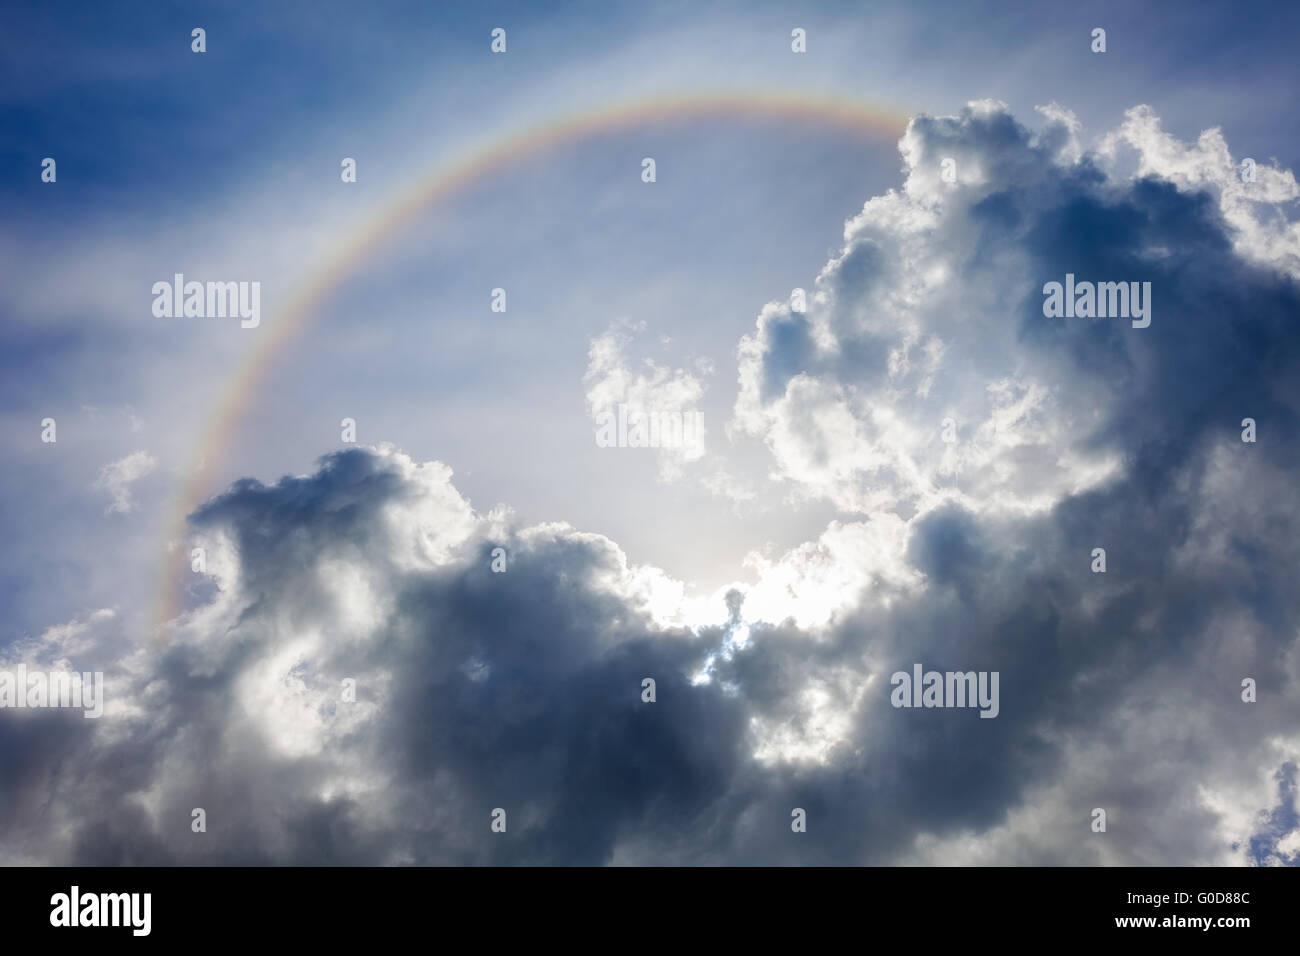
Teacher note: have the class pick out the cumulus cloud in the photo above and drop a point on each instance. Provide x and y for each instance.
(57, 645)
(963, 544)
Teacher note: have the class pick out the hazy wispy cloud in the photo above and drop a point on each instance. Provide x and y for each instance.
(652, 406)
(117, 477)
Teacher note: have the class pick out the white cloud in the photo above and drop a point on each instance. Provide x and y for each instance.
(116, 478)
(656, 393)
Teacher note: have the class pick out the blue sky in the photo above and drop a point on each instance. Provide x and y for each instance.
(856, 540)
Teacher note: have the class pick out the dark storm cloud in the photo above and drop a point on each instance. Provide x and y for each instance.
(522, 690)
